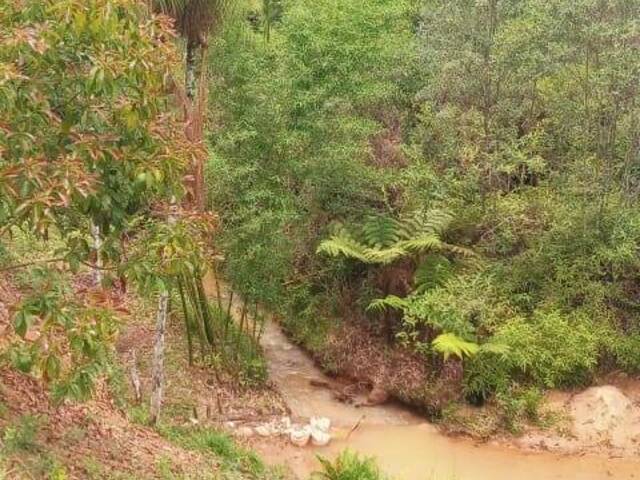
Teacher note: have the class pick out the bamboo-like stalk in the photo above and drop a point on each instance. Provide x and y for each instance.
(206, 310)
(228, 318)
(240, 327)
(255, 321)
(187, 323)
(262, 327)
(204, 342)
(157, 376)
(215, 278)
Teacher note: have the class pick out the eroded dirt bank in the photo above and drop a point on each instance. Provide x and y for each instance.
(405, 445)
(409, 448)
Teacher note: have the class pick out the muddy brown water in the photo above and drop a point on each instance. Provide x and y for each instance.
(404, 445)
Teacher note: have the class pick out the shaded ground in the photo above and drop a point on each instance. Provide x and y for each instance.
(195, 391)
(106, 437)
(91, 440)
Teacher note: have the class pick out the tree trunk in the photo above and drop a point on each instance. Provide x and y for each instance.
(190, 69)
(135, 377)
(157, 367)
(97, 245)
(157, 375)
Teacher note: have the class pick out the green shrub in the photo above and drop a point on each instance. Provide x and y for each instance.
(550, 349)
(21, 435)
(349, 466)
(518, 405)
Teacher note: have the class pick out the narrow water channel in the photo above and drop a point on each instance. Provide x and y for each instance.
(404, 444)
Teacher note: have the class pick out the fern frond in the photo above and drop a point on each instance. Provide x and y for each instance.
(390, 301)
(424, 243)
(384, 256)
(432, 272)
(383, 240)
(343, 243)
(380, 231)
(496, 348)
(450, 344)
(458, 250)
(437, 221)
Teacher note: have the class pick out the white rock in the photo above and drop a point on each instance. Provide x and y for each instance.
(320, 438)
(322, 424)
(300, 436)
(604, 414)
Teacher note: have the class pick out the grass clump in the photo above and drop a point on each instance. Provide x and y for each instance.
(21, 435)
(231, 457)
(349, 466)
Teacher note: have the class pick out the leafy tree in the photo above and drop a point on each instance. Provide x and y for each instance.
(88, 135)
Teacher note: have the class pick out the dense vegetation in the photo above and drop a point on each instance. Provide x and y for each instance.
(438, 198)
(516, 119)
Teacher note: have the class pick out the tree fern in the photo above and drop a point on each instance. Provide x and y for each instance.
(383, 240)
(434, 270)
(381, 231)
(450, 344)
(342, 243)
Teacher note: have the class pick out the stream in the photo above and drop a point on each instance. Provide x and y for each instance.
(404, 444)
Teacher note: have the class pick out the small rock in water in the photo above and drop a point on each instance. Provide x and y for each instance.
(322, 424)
(300, 436)
(320, 438)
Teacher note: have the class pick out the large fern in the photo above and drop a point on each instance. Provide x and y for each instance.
(383, 240)
(450, 344)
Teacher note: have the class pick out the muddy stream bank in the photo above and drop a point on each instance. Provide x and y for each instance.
(404, 444)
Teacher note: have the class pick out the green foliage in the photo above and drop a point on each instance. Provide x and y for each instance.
(21, 436)
(349, 466)
(88, 128)
(450, 344)
(550, 348)
(519, 405)
(69, 339)
(89, 136)
(232, 457)
(297, 115)
(383, 240)
(519, 118)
